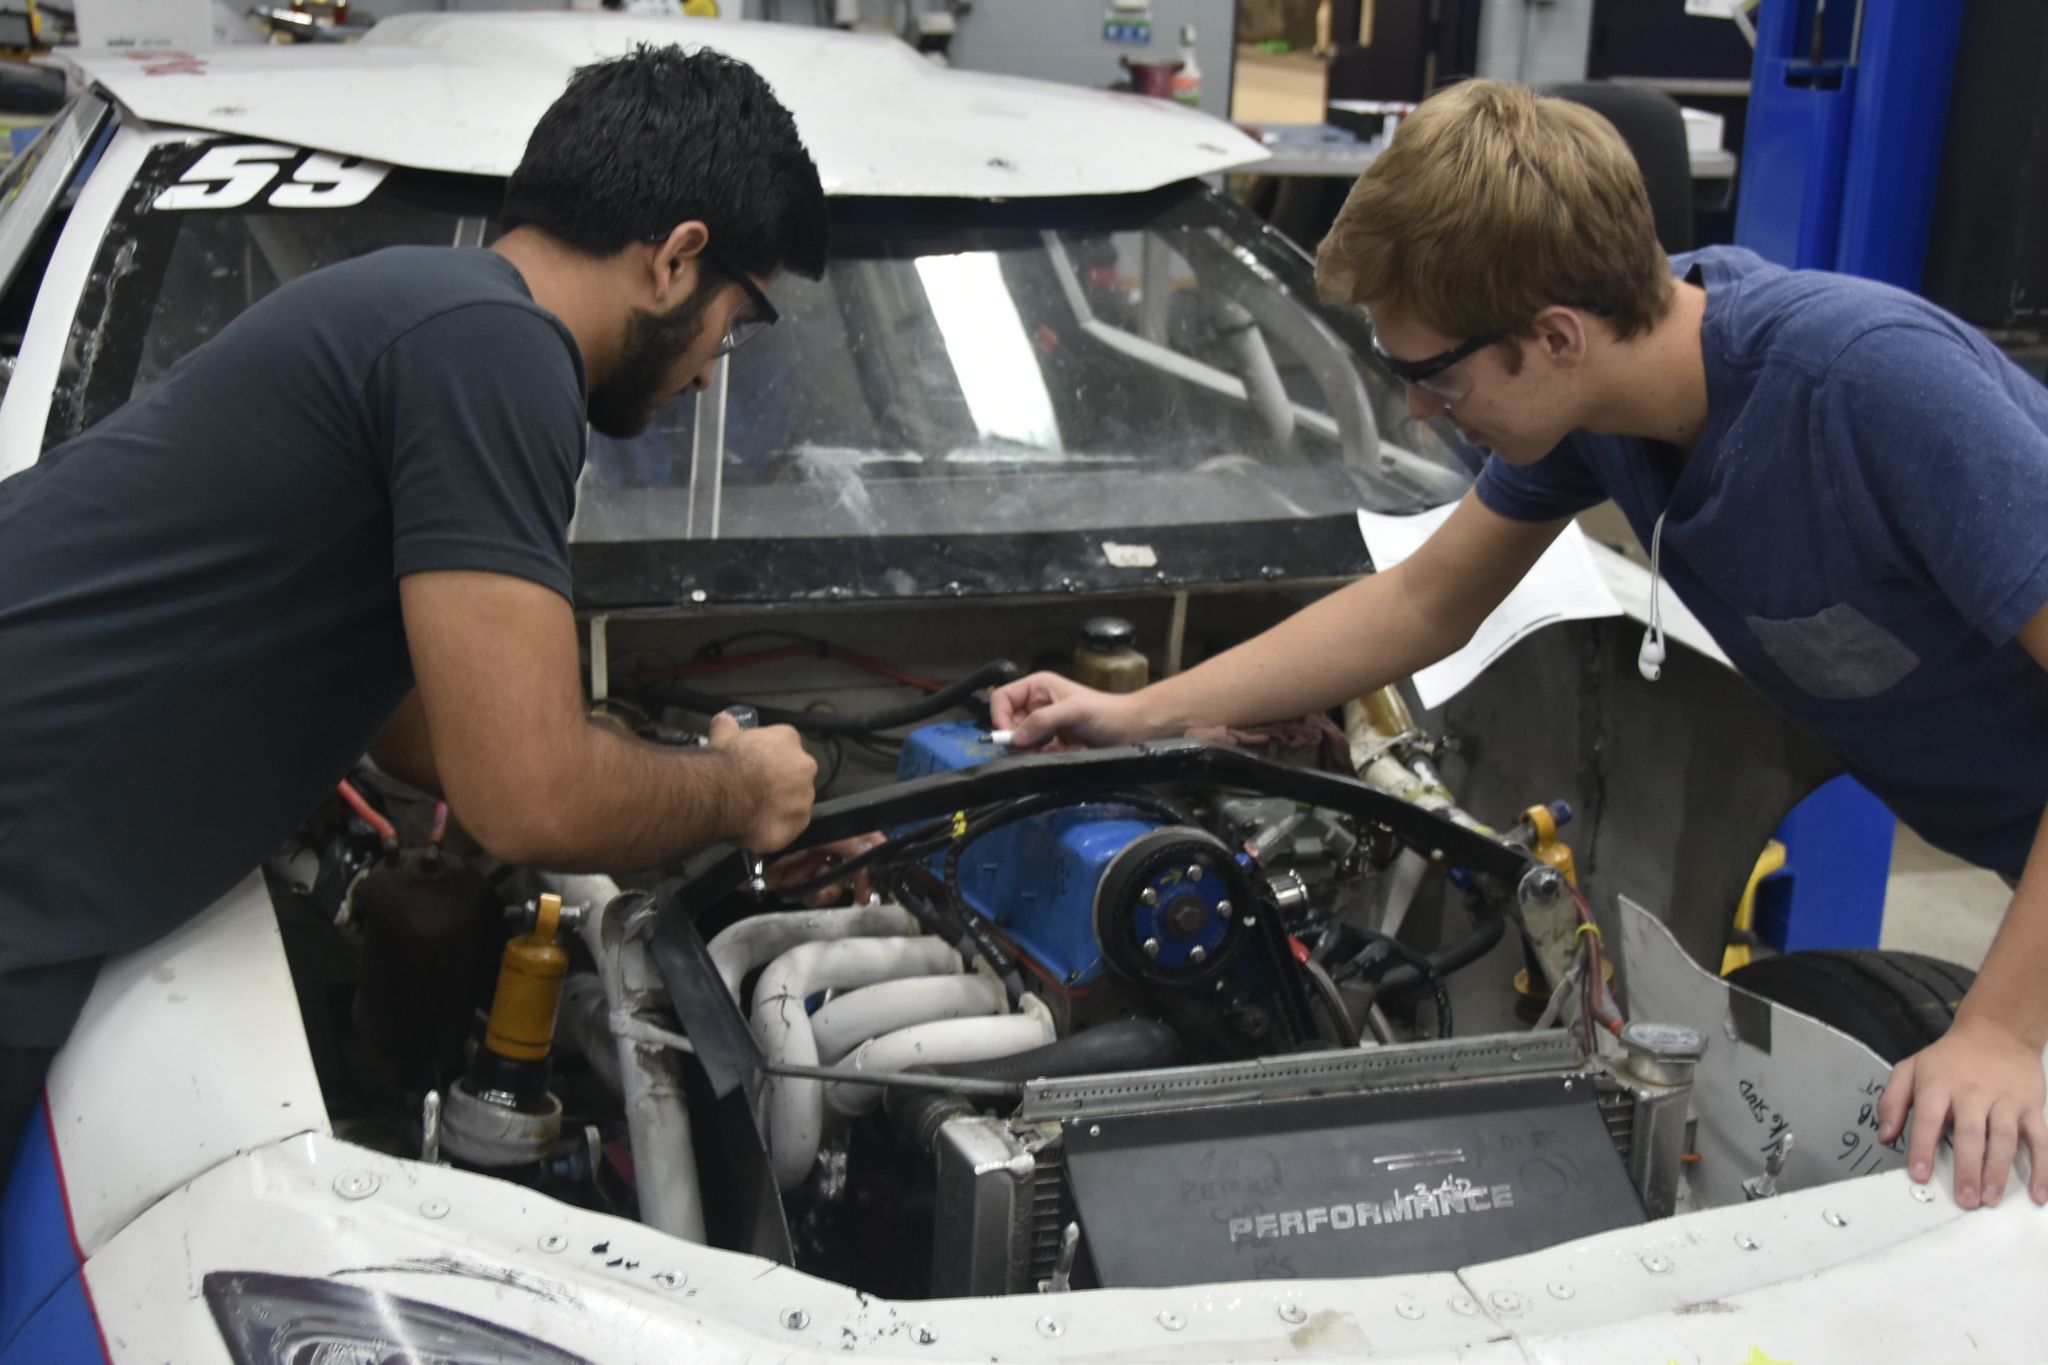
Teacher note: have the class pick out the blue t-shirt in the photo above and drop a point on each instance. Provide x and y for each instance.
(1863, 527)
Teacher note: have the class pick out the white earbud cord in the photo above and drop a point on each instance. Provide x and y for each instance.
(1650, 661)
(1657, 578)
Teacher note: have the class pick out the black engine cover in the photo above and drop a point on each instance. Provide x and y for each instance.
(1389, 1182)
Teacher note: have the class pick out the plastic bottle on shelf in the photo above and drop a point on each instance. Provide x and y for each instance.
(1187, 82)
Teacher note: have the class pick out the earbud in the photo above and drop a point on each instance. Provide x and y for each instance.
(1650, 659)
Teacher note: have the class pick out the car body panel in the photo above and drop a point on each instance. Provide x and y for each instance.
(462, 93)
(186, 1053)
(601, 1287)
(166, 1192)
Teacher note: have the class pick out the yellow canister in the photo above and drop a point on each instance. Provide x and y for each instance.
(1108, 659)
(529, 989)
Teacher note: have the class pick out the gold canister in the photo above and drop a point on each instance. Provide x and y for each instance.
(1107, 659)
(529, 990)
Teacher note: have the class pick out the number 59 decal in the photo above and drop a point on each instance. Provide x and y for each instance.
(231, 175)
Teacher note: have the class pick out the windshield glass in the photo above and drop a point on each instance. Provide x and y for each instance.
(173, 271)
(1040, 366)
(963, 368)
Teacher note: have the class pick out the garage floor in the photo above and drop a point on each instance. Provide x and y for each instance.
(1938, 905)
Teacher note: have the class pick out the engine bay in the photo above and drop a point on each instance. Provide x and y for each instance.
(1155, 1015)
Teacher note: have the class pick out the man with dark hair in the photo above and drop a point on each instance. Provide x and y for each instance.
(751, 185)
(342, 524)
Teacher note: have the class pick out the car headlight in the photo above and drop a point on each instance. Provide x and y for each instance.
(288, 1320)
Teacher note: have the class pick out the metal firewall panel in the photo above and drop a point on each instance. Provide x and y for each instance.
(1769, 1071)
(1395, 1182)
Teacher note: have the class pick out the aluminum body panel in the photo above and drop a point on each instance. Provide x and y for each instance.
(1766, 1069)
(188, 1051)
(462, 92)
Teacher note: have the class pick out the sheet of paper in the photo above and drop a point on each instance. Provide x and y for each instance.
(1564, 585)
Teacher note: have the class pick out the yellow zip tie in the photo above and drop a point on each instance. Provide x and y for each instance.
(1592, 929)
(959, 824)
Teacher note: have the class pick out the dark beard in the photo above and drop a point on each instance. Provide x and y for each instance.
(625, 402)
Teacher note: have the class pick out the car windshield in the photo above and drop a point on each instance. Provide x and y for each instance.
(1038, 366)
(963, 368)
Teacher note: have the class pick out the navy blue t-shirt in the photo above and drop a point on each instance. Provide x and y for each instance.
(199, 620)
(1863, 527)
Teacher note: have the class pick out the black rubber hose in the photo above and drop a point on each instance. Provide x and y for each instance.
(909, 847)
(975, 934)
(919, 1114)
(1333, 1001)
(1487, 928)
(995, 954)
(1444, 1027)
(1427, 971)
(924, 910)
(991, 674)
(1119, 1045)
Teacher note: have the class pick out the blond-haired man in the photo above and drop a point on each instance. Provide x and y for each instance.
(1849, 487)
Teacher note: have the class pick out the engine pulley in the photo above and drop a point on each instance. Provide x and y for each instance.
(1171, 907)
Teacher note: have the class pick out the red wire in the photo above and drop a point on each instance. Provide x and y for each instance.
(385, 829)
(886, 670)
(1594, 995)
(730, 662)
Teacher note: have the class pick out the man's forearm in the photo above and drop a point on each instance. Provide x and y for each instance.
(1359, 638)
(404, 750)
(621, 803)
(2008, 990)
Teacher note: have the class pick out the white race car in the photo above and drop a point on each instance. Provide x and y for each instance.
(1175, 1052)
